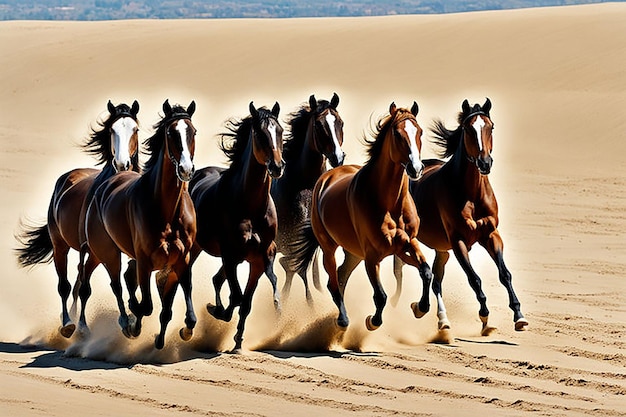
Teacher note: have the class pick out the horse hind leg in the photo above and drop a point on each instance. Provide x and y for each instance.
(84, 285)
(439, 266)
(190, 316)
(397, 273)
(64, 287)
(336, 291)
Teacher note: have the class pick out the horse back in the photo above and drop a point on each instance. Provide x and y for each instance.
(66, 204)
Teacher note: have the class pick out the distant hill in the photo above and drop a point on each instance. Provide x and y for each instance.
(175, 9)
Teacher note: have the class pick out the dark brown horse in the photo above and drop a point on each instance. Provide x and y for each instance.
(235, 212)
(369, 212)
(458, 208)
(149, 217)
(316, 136)
(115, 145)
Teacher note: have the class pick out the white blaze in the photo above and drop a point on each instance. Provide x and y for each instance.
(272, 129)
(330, 119)
(186, 162)
(414, 156)
(478, 125)
(122, 131)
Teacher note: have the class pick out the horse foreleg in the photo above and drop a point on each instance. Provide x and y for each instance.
(113, 267)
(167, 284)
(380, 298)
(461, 252)
(190, 316)
(439, 267)
(412, 255)
(130, 277)
(269, 272)
(289, 273)
(142, 277)
(64, 287)
(495, 247)
(270, 257)
(397, 273)
(256, 269)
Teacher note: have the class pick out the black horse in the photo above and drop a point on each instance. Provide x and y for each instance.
(316, 136)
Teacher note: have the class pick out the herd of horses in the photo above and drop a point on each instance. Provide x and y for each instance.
(276, 196)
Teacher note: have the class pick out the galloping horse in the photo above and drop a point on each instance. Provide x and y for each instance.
(458, 207)
(235, 212)
(316, 135)
(150, 217)
(115, 145)
(369, 212)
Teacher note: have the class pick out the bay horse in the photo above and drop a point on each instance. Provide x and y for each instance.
(369, 212)
(315, 136)
(150, 217)
(458, 208)
(236, 216)
(115, 145)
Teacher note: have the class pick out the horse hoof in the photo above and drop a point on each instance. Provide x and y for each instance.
(370, 324)
(521, 324)
(185, 333)
(68, 330)
(217, 311)
(444, 324)
(487, 330)
(342, 323)
(416, 311)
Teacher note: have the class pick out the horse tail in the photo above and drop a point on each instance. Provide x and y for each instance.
(303, 248)
(35, 245)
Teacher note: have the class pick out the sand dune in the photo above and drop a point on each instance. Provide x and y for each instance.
(557, 81)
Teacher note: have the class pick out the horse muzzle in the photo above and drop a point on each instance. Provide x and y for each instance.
(414, 170)
(484, 164)
(185, 174)
(336, 158)
(275, 169)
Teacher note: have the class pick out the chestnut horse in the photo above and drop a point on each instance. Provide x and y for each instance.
(115, 145)
(235, 212)
(316, 136)
(149, 217)
(369, 212)
(458, 208)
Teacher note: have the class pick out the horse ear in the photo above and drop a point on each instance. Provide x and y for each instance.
(167, 109)
(415, 108)
(392, 108)
(111, 108)
(192, 108)
(334, 102)
(312, 102)
(253, 111)
(134, 109)
(276, 109)
(465, 106)
(487, 106)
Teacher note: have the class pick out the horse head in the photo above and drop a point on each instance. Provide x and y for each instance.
(406, 144)
(123, 134)
(180, 139)
(327, 129)
(477, 134)
(267, 136)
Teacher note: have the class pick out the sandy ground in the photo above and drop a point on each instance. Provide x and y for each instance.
(557, 81)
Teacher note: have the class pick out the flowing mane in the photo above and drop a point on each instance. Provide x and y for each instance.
(234, 142)
(99, 142)
(298, 122)
(374, 146)
(448, 139)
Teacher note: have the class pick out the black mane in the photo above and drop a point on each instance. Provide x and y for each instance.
(99, 142)
(233, 143)
(449, 140)
(299, 123)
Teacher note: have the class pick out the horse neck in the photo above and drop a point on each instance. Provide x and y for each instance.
(254, 180)
(310, 164)
(388, 179)
(466, 174)
(168, 189)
